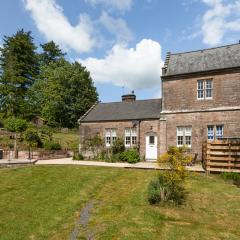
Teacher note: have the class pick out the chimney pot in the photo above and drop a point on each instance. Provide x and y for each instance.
(129, 97)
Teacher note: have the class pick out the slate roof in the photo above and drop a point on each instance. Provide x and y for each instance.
(136, 110)
(202, 60)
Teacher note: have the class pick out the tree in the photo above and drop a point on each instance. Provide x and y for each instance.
(31, 137)
(19, 68)
(63, 93)
(15, 125)
(51, 53)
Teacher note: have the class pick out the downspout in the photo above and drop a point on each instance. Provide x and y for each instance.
(139, 124)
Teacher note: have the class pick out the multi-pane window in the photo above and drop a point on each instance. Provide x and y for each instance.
(200, 89)
(210, 133)
(110, 136)
(151, 140)
(209, 88)
(215, 132)
(219, 132)
(130, 137)
(184, 136)
(205, 89)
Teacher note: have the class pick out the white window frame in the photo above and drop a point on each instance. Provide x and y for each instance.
(219, 136)
(110, 136)
(184, 132)
(205, 88)
(131, 138)
(200, 89)
(215, 134)
(211, 132)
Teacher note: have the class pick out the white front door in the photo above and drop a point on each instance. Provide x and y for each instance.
(151, 147)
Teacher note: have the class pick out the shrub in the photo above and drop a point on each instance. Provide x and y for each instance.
(94, 144)
(234, 177)
(154, 192)
(78, 156)
(118, 146)
(52, 146)
(102, 156)
(130, 156)
(169, 185)
(164, 189)
(45, 133)
(115, 157)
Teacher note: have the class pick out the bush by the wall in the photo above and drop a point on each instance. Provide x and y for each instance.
(130, 156)
(78, 156)
(118, 146)
(52, 146)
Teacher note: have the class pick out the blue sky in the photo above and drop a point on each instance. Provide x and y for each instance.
(123, 43)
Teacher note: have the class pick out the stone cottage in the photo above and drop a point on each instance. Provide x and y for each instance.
(135, 121)
(200, 101)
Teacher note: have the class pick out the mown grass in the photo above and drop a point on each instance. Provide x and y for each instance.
(44, 203)
(68, 140)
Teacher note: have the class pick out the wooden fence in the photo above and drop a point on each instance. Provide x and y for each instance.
(222, 155)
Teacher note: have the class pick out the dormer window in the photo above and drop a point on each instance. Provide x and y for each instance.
(204, 89)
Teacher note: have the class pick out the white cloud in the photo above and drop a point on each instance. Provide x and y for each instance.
(221, 19)
(134, 68)
(116, 26)
(50, 21)
(121, 5)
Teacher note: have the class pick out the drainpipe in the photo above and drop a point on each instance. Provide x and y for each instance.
(139, 123)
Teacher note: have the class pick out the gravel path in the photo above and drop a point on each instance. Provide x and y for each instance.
(82, 222)
(140, 165)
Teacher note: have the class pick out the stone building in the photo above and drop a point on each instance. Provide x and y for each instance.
(135, 121)
(200, 101)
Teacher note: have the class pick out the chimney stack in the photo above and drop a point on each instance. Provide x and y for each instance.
(129, 97)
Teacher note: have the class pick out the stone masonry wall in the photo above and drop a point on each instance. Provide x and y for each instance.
(90, 129)
(181, 94)
(199, 122)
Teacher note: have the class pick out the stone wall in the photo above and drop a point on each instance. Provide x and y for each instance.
(145, 126)
(181, 93)
(199, 122)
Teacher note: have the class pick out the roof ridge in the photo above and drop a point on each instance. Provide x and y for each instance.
(133, 101)
(205, 49)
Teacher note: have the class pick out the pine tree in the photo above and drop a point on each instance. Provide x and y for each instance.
(51, 53)
(19, 68)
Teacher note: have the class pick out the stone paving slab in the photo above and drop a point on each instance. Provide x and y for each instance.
(16, 162)
(140, 165)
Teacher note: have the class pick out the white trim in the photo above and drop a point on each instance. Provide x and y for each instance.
(208, 98)
(182, 132)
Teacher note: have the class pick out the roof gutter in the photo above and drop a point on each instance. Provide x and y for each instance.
(206, 72)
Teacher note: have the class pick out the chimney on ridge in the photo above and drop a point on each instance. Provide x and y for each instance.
(129, 97)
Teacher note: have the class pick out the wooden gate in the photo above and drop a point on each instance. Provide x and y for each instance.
(222, 155)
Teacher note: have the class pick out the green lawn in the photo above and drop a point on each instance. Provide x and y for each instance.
(44, 203)
(68, 140)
